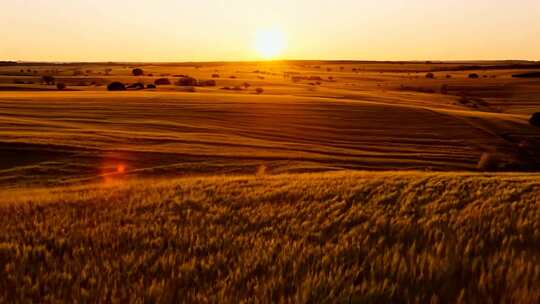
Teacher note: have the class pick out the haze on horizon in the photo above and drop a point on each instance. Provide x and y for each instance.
(211, 30)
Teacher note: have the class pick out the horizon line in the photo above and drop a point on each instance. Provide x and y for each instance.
(427, 61)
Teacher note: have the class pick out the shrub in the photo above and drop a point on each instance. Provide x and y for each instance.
(162, 81)
(108, 71)
(297, 78)
(18, 81)
(527, 75)
(535, 119)
(116, 86)
(226, 88)
(215, 75)
(448, 76)
(232, 77)
(186, 81)
(430, 75)
(151, 86)
(60, 86)
(444, 89)
(137, 72)
(48, 79)
(473, 76)
(246, 85)
(487, 162)
(463, 99)
(259, 90)
(207, 83)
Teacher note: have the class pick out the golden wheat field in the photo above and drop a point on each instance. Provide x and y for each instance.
(359, 237)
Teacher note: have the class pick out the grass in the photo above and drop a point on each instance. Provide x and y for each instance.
(305, 238)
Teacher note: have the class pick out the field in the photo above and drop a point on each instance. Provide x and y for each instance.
(361, 182)
(354, 116)
(305, 238)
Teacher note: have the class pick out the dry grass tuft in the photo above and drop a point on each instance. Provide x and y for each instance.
(488, 162)
(261, 171)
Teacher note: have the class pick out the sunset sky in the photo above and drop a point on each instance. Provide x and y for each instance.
(209, 30)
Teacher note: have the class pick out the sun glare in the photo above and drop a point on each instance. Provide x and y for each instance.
(270, 43)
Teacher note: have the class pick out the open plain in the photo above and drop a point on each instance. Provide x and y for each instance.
(255, 182)
(311, 116)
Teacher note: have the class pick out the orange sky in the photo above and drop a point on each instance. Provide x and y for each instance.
(208, 30)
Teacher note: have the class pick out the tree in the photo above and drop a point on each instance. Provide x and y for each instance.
(535, 119)
(137, 72)
(48, 79)
(116, 86)
(162, 81)
(430, 75)
(259, 90)
(187, 81)
(60, 86)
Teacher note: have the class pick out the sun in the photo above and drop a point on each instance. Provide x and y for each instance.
(270, 43)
